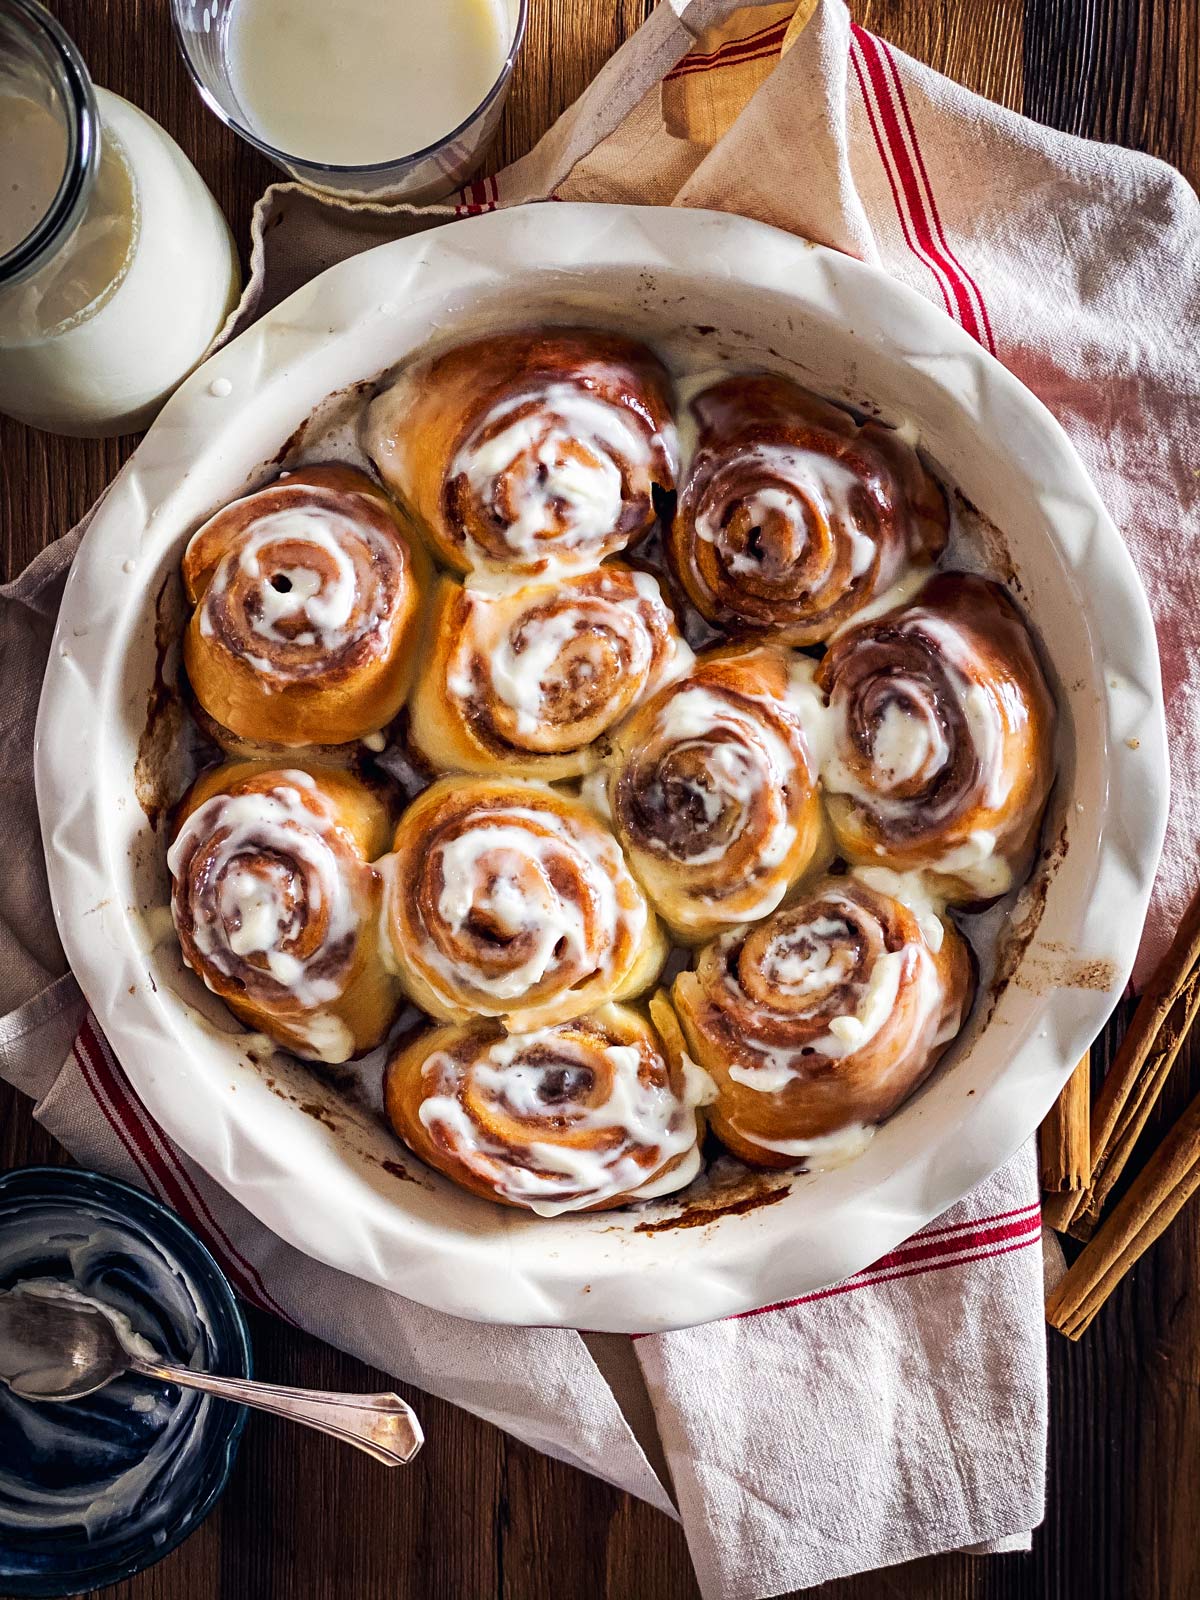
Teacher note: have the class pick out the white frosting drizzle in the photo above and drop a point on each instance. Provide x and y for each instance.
(909, 741)
(823, 968)
(753, 759)
(917, 891)
(500, 870)
(569, 449)
(252, 913)
(323, 593)
(522, 651)
(824, 1151)
(554, 1177)
(810, 485)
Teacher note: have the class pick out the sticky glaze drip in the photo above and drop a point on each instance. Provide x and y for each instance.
(304, 584)
(264, 898)
(559, 1120)
(549, 668)
(550, 467)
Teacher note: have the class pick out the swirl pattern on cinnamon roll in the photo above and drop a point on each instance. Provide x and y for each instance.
(306, 597)
(712, 790)
(942, 738)
(507, 899)
(577, 1117)
(818, 1022)
(792, 516)
(525, 680)
(529, 452)
(277, 906)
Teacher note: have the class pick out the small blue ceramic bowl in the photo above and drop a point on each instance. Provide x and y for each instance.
(97, 1489)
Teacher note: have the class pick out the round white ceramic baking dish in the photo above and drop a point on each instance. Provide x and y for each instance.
(325, 1175)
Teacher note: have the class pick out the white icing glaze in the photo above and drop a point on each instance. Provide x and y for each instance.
(823, 1152)
(253, 917)
(851, 1032)
(130, 1340)
(809, 486)
(149, 1292)
(501, 871)
(917, 891)
(593, 791)
(555, 1177)
(753, 758)
(826, 965)
(906, 587)
(909, 744)
(520, 679)
(569, 448)
(324, 593)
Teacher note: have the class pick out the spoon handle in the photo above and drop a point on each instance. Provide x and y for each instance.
(380, 1424)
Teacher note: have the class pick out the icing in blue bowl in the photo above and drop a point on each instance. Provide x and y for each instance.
(94, 1490)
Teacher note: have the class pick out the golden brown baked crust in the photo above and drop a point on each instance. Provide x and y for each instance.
(823, 1018)
(712, 790)
(508, 899)
(526, 680)
(306, 598)
(528, 451)
(575, 1117)
(793, 516)
(277, 906)
(943, 738)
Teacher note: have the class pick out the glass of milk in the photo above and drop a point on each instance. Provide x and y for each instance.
(117, 270)
(385, 99)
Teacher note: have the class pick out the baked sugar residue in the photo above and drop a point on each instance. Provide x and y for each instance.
(397, 1171)
(699, 1216)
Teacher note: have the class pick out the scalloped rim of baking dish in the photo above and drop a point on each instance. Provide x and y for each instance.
(852, 331)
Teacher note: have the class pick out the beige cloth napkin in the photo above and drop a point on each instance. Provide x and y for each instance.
(902, 1412)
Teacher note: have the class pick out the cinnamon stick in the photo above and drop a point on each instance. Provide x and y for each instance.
(1135, 1080)
(1156, 1196)
(1065, 1146)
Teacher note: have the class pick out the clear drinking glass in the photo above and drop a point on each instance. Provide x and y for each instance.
(202, 29)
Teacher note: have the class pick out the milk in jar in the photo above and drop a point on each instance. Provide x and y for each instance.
(106, 308)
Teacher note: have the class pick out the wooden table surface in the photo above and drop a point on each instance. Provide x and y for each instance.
(481, 1515)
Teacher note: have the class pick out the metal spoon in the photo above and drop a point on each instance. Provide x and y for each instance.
(61, 1349)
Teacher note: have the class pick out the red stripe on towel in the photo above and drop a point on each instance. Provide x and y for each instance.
(763, 43)
(160, 1163)
(924, 237)
(984, 1238)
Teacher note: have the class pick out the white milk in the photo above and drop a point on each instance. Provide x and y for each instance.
(95, 340)
(27, 191)
(362, 82)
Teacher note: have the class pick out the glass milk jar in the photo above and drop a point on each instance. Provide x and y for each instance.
(117, 269)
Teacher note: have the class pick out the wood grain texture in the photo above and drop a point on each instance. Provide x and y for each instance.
(481, 1516)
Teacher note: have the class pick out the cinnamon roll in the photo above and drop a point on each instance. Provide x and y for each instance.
(712, 790)
(526, 680)
(507, 899)
(277, 906)
(306, 597)
(792, 516)
(577, 1117)
(529, 452)
(942, 738)
(818, 1022)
